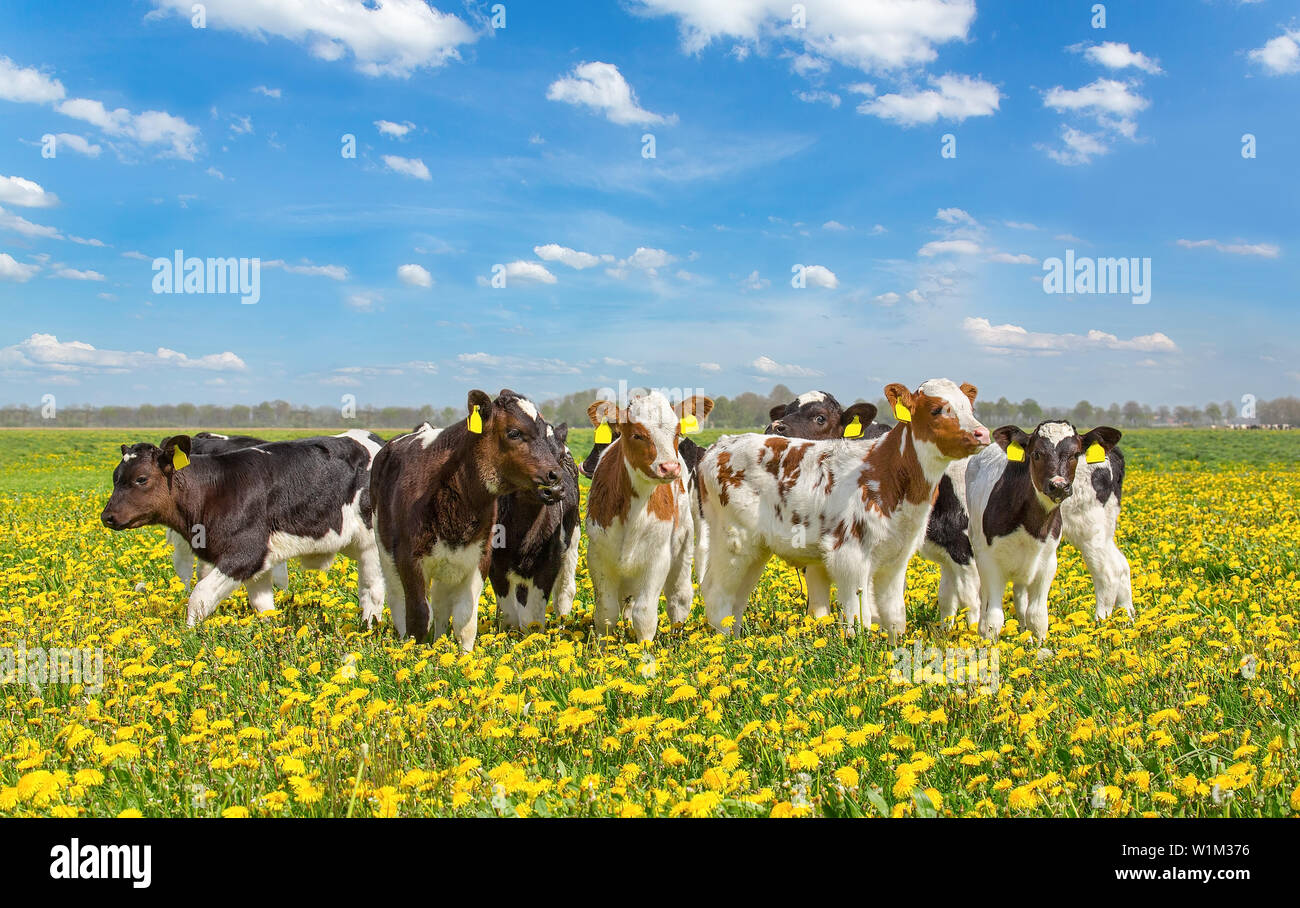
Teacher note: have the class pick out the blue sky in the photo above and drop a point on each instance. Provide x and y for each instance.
(521, 149)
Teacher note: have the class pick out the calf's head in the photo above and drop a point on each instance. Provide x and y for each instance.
(942, 414)
(1051, 454)
(142, 483)
(819, 416)
(518, 443)
(648, 430)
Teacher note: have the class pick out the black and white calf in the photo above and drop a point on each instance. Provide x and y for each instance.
(1015, 491)
(250, 509)
(535, 560)
(183, 560)
(1089, 518)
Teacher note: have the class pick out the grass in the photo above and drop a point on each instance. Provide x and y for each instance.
(1188, 711)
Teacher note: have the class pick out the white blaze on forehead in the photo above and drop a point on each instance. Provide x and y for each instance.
(127, 456)
(810, 397)
(527, 406)
(652, 411)
(1056, 431)
(957, 399)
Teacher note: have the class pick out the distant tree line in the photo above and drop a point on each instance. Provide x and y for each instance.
(744, 411)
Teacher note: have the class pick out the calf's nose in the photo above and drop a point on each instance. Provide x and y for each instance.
(670, 468)
(982, 435)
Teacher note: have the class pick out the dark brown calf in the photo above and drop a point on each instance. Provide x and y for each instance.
(435, 506)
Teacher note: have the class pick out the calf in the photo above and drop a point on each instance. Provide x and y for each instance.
(1015, 491)
(1089, 518)
(538, 560)
(639, 528)
(818, 415)
(854, 512)
(204, 443)
(435, 495)
(250, 509)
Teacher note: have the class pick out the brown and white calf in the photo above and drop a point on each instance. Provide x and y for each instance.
(818, 415)
(1015, 490)
(536, 558)
(639, 529)
(248, 510)
(855, 512)
(435, 494)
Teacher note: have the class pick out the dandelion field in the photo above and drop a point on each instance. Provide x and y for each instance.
(1191, 710)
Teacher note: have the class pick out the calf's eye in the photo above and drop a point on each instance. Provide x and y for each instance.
(514, 434)
(141, 480)
(936, 411)
(821, 420)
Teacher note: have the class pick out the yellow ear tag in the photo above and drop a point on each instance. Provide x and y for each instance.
(604, 434)
(1015, 452)
(901, 413)
(853, 429)
(1096, 453)
(476, 422)
(690, 425)
(179, 460)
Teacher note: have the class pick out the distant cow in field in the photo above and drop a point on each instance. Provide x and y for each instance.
(537, 561)
(639, 525)
(1016, 491)
(818, 415)
(435, 494)
(253, 508)
(855, 512)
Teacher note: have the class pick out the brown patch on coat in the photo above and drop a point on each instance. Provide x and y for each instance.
(727, 478)
(893, 466)
(611, 488)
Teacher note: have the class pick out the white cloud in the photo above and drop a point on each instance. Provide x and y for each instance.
(1281, 55)
(363, 301)
(138, 256)
(333, 272)
(11, 270)
(45, 351)
(152, 127)
(411, 167)
(1020, 225)
(834, 225)
(16, 224)
(602, 87)
(269, 92)
(769, 366)
(915, 296)
(1014, 337)
(888, 299)
(516, 365)
(25, 193)
(27, 85)
(529, 273)
(1264, 250)
(648, 259)
(754, 282)
(954, 216)
(1114, 55)
(883, 35)
(395, 130)
(949, 247)
(66, 141)
(553, 252)
(1100, 97)
(1079, 147)
(213, 172)
(73, 274)
(87, 242)
(393, 38)
(710, 367)
(414, 276)
(1008, 258)
(819, 97)
(820, 276)
(950, 98)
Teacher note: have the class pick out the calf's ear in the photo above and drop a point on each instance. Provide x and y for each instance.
(175, 454)
(864, 413)
(480, 411)
(695, 405)
(602, 411)
(561, 432)
(900, 401)
(1098, 443)
(123, 449)
(970, 391)
(776, 412)
(1013, 440)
